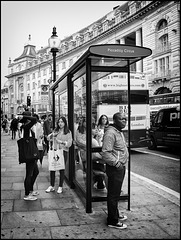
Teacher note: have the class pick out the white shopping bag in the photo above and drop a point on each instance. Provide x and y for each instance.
(56, 160)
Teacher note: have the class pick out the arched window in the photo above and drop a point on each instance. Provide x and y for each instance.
(162, 24)
(162, 90)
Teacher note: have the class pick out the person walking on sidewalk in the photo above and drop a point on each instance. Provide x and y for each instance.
(115, 154)
(62, 139)
(47, 128)
(31, 167)
(4, 124)
(14, 127)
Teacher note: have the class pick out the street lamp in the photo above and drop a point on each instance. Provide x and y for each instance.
(54, 43)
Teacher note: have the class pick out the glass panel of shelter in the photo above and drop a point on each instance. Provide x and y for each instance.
(61, 109)
(79, 86)
(115, 102)
(109, 95)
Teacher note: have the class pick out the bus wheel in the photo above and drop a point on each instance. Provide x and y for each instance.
(152, 144)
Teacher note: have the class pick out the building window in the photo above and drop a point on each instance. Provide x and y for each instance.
(19, 67)
(28, 86)
(63, 65)
(95, 32)
(105, 26)
(33, 85)
(162, 24)
(44, 81)
(39, 83)
(39, 73)
(44, 72)
(156, 66)
(167, 63)
(133, 67)
(11, 70)
(162, 65)
(70, 62)
(33, 76)
(164, 41)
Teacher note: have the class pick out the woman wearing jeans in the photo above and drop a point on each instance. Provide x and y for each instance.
(62, 139)
(31, 167)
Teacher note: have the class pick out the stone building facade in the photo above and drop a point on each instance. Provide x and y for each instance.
(152, 24)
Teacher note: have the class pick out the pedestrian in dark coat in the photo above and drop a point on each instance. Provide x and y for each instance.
(14, 127)
(47, 128)
(31, 167)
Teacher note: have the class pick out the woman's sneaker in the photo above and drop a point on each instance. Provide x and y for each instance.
(50, 189)
(118, 225)
(34, 193)
(60, 190)
(30, 198)
(122, 217)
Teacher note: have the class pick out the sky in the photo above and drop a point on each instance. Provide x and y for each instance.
(37, 18)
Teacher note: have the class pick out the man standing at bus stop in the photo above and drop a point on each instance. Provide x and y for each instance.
(115, 154)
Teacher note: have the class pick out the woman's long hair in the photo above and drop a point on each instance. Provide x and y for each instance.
(100, 120)
(81, 128)
(66, 129)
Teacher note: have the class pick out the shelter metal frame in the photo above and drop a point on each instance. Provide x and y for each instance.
(121, 56)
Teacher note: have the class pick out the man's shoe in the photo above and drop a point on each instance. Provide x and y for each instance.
(30, 198)
(122, 217)
(50, 189)
(60, 190)
(34, 193)
(118, 225)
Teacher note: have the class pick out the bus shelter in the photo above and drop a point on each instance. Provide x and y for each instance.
(81, 95)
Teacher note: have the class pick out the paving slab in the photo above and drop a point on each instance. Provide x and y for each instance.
(27, 233)
(30, 219)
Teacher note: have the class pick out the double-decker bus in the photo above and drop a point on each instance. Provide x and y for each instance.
(161, 101)
(112, 97)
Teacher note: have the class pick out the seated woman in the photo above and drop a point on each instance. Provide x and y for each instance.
(102, 123)
(98, 166)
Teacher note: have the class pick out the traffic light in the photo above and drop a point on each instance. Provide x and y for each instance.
(28, 100)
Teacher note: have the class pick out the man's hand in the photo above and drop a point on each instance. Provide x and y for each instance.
(119, 165)
(20, 117)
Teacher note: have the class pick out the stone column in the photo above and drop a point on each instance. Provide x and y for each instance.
(122, 40)
(139, 64)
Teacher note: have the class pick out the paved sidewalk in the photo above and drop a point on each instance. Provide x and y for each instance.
(154, 214)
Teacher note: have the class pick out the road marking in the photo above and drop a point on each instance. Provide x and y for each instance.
(168, 190)
(156, 154)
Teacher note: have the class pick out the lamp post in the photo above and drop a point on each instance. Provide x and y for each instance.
(54, 43)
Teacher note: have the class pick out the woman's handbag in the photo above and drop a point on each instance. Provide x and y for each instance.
(56, 159)
(27, 149)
